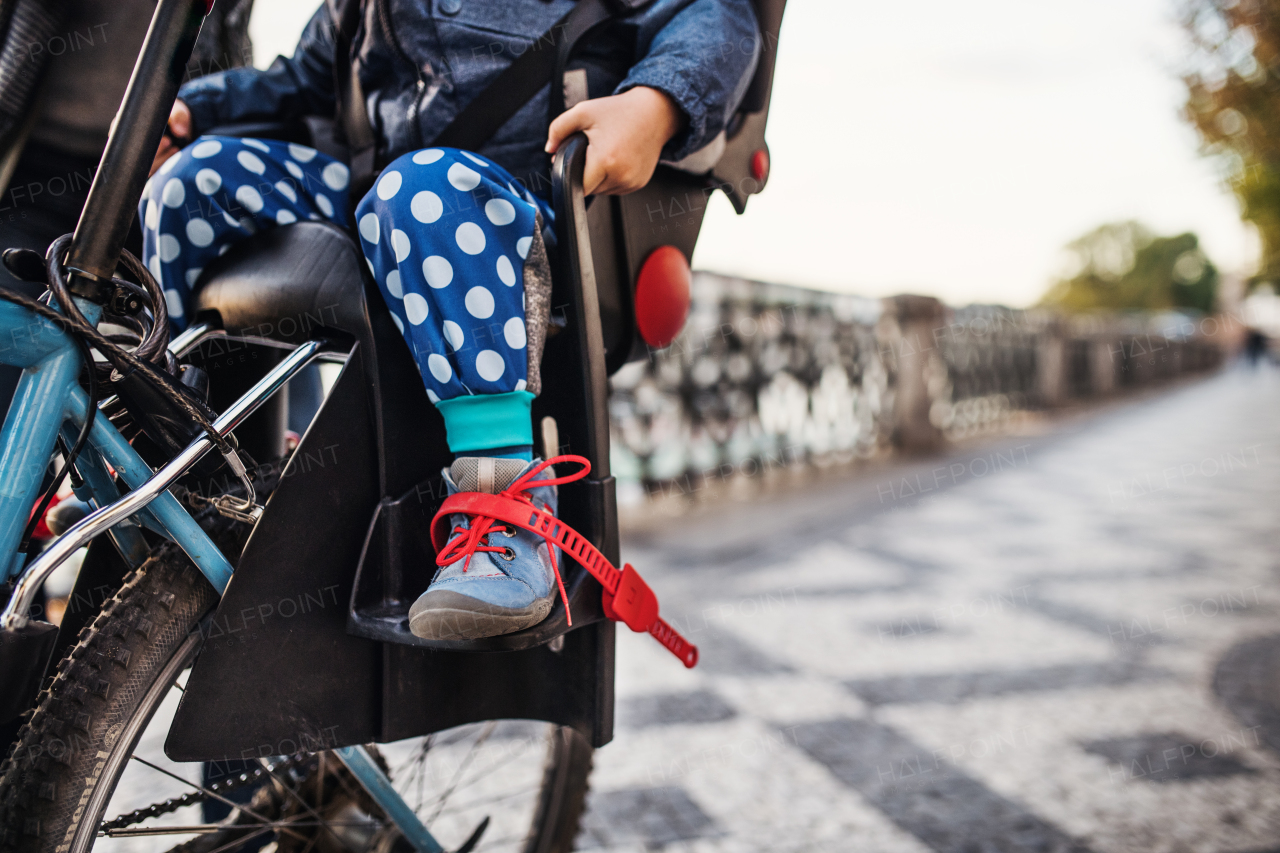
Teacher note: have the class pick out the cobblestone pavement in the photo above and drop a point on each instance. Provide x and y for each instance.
(1059, 642)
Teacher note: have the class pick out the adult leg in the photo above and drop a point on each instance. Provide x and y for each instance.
(42, 202)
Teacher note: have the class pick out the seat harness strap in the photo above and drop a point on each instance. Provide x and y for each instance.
(627, 598)
(544, 60)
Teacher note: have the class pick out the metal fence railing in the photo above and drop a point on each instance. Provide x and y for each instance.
(768, 376)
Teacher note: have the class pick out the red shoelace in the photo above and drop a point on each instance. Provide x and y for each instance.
(465, 542)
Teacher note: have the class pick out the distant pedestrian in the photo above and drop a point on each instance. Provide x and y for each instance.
(1255, 346)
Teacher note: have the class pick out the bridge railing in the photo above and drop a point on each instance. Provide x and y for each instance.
(768, 377)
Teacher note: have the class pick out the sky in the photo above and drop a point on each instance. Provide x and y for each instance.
(953, 149)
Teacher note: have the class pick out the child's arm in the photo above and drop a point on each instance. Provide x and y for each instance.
(697, 60)
(301, 85)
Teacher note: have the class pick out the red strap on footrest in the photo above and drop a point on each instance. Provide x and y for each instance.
(627, 598)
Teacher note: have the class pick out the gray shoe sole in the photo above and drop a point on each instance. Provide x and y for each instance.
(446, 615)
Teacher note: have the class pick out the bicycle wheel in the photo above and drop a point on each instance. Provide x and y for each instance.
(88, 770)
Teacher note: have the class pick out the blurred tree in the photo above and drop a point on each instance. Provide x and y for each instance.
(1233, 99)
(1123, 265)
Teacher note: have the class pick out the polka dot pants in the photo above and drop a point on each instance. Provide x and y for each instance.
(445, 232)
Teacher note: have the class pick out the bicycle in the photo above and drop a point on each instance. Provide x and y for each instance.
(193, 669)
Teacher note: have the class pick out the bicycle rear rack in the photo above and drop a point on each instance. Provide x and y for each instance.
(152, 489)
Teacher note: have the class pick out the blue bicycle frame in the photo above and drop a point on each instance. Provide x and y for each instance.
(48, 400)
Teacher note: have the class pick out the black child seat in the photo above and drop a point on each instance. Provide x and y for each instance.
(358, 494)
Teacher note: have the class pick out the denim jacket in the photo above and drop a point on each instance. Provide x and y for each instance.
(422, 61)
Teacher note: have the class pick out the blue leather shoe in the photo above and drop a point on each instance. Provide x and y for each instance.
(507, 583)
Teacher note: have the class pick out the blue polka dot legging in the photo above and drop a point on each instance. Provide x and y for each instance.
(453, 243)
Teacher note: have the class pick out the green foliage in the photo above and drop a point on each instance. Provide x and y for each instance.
(1233, 100)
(1122, 266)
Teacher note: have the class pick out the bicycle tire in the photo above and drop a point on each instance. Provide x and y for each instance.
(74, 748)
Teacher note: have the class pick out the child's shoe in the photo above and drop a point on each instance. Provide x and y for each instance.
(506, 582)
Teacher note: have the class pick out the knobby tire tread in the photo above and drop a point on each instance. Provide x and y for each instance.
(53, 767)
(563, 799)
(98, 686)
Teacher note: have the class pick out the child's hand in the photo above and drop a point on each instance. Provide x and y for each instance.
(179, 134)
(626, 133)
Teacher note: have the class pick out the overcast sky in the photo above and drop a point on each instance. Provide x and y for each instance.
(953, 148)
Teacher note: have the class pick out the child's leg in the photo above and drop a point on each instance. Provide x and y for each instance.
(456, 249)
(219, 190)
(457, 252)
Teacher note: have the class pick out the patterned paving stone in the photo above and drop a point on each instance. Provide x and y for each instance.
(1247, 679)
(1165, 757)
(723, 653)
(699, 706)
(922, 792)
(653, 816)
(952, 689)
(971, 669)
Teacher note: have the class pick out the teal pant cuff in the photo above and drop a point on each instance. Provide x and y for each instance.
(482, 421)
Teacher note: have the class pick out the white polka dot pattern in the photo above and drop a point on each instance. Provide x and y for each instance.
(439, 367)
(513, 332)
(437, 271)
(500, 211)
(400, 245)
(335, 176)
(415, 308)
(174, 193)
(454, 335)
(479, 302)
(389, 185)
(204, 150)
(250, 198)
(369, 228)
(506, 273)
(463, 178)
(426, 207)
(470, 237)
(393, 284)
(252, 162)
(208, 181)
(444, 233)
(200, 233)
(490, 365)
(169, 248)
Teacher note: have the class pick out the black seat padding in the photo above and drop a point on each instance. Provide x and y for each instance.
(285, 283)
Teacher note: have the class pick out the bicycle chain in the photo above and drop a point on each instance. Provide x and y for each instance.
(174, 803)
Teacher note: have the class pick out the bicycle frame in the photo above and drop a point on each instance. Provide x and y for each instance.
(49, 399)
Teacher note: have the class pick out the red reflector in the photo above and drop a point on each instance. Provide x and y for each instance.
(760, 165)
(662, 296)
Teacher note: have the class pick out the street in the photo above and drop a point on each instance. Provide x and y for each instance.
(1066, 647)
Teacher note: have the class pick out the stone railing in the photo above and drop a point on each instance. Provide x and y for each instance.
(768, 377)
